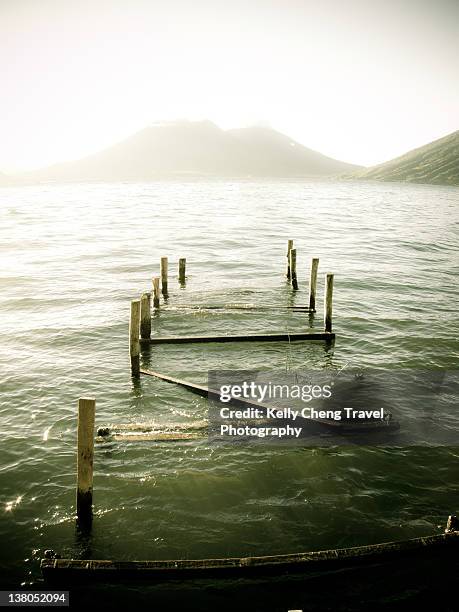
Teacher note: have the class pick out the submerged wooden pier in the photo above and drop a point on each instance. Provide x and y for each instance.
(140, 321)
(444, 546)
(388, 554)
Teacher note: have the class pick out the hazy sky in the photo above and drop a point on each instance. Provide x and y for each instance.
(359, 80)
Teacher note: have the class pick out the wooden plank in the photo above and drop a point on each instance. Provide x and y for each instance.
(271, 337)
(388, 553)
(238, 307)
(85, 458)
(135, 432)
(199, 389)
(152, 436)
(199, 425)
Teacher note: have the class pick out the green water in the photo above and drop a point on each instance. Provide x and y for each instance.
(73, 258)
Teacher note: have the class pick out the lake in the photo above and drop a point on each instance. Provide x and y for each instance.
(74, 257)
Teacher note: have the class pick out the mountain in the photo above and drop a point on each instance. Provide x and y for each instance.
(202, 149)
(436, 163)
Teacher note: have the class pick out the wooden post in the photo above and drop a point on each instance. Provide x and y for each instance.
(164, 266)
(134, 344)
(293, 268)
(289, 248)
(452, 525)
(328, 302)
(156, 292)
(181, 270)
(85, 458)
(145, 316)
(313, 284)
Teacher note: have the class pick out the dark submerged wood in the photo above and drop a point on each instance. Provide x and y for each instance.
(303, 562)
(270, 337)
(346, 427)
(239, 307)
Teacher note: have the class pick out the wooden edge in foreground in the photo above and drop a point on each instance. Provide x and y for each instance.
(273, 337)
(74, 569)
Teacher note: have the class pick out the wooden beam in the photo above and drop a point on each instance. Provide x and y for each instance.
(152, 436)
(272, 337)
(240, 307)
(199, 389)
(136, 432)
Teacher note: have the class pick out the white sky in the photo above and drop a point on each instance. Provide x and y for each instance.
(359, 80)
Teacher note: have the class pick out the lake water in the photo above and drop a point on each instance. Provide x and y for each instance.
(73, 257)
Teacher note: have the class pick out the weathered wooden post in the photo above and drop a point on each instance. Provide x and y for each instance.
(164, 266)
(181, 270)
(293, 268)
(328, 302)
(134, 345)
(289, 248)
(156, 292)
(85, 459)
(145, 316)
(452, 524)
(313, 284)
